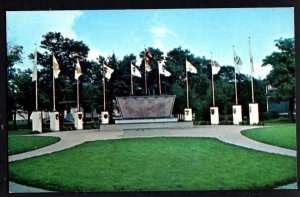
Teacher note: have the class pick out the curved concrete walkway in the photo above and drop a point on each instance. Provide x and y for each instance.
(228, 134)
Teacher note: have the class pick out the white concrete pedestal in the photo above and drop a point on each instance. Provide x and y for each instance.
(104, 117)
(214, 115)
(253, 113)
(54, 121)
(188, 116)
(37, 121)
(78, 120)
(237, 114)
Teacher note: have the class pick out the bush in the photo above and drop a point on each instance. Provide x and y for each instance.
(259, 124)
(226, 122)
(269, 115)
(226, 117)
(244, 122)
(201, 122)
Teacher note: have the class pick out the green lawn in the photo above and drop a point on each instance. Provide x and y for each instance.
(154, 164)
(21, 144)
(19, 132)
(283, 135)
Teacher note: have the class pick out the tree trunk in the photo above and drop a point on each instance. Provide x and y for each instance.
(291, 109)
(28, 118)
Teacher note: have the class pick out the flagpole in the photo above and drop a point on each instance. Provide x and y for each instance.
(36, 93)
(104, 88)
(251, 61)
(36, 87)
(187, 85)
(146, 91)
(159, 82)
(78, 94)
(131, 79)
(53, 84)
(212, 81)
(235, 84)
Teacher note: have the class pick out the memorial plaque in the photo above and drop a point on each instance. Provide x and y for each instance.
(134, 107)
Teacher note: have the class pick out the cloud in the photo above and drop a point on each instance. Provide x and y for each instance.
(158, 44)
(26, 28)
(94, 53)
(161, 31)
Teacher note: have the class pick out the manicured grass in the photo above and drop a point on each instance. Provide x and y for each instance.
(279, 121)
(280, 135)
(19, 132)
(154, 164)
(21, 144)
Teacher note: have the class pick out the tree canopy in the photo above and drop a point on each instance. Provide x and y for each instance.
(67, 51)
(282, 75)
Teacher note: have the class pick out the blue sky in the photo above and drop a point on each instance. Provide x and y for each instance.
(123, 32)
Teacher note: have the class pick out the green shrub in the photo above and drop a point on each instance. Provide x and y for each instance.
(269, 115)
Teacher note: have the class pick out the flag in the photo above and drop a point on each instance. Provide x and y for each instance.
(162, 70)
(147, 66)
(135, 71)
(34, 69)
(78, 71)
(190, 68)
(56, 70)
(107, 71)
(251, 58)
(147, 58)
(237, 61)
(215, 67)
(147, 54)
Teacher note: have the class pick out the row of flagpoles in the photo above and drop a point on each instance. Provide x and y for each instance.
(107, 72)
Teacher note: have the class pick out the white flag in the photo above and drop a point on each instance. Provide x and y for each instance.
(251, 58)
(135, 71)
(190, 68)
(34, 67)
(56, 70)
(162, 70)
(237, 61)
(78, 71)
(108, 71)
(215, 67)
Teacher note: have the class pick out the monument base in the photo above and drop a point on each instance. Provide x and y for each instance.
(54, 121)
(237, 114)
(188, 116)
(146, 126)
(78, 120)
(148, 120)
(37, 121)
(214, 115)
(253, 113)
(104, 117)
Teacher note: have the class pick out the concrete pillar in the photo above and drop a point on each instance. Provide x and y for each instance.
(237, 114)
(104, 117)
(214, 115)
(54, 121)
(253, 113)
(37, 121)
(188, 116)
(78, 120)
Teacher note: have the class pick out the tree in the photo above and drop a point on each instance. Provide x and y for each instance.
(14, 56)
(282, 75)
(25, 91)
(66, 51)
